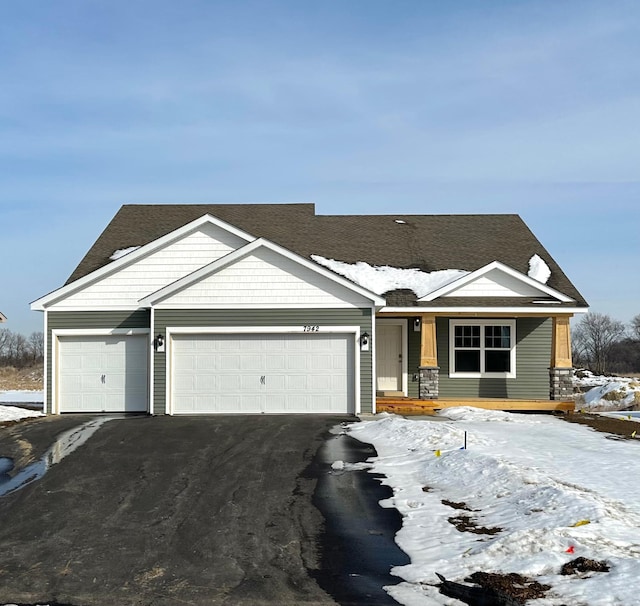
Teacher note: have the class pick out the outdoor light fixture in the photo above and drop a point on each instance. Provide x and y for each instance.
(158, 343)
(364, 341)
(416, 324)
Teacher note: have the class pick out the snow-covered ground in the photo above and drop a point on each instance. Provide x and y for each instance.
(556, 491)
(21, 396)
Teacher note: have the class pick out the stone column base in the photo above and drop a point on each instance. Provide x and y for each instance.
(561, 384)
(429, 377)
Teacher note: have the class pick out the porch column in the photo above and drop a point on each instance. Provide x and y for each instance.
(561, 367)
(429, 370)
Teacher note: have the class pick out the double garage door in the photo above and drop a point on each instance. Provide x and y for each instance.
(262, 373)
(103, 373)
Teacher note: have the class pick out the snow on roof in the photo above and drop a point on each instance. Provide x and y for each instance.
(121, 252)
(538, 269)
(381, 279)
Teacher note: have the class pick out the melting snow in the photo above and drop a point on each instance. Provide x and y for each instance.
(121, 252)
(555, 491)
(13, 413)
(381, 279)
(538, 269)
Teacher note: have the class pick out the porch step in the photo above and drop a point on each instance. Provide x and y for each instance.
(409, 406)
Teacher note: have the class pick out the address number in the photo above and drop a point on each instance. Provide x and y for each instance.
(311, 329)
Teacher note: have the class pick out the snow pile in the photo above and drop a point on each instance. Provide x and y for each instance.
(606, 393)
(121, 252)
(13, 413)
(538, 269)
(381, 279)
(550, 491)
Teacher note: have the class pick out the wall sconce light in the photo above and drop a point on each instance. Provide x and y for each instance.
(364, 341)
(158, 343)
(416, 324)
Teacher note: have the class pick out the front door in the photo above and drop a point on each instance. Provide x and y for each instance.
(389, 359)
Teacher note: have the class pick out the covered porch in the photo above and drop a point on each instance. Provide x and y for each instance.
(415, 357)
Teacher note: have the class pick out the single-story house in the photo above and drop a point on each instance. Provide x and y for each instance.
(3, 318)
(270, 308)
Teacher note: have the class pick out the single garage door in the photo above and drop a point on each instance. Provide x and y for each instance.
(262, 373)
(102, 373)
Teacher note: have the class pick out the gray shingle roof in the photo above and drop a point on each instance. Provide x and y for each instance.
(428, 242)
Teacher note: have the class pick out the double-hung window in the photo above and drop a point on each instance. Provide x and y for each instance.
(482, 348)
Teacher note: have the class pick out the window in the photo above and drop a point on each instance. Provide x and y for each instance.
(482, 348)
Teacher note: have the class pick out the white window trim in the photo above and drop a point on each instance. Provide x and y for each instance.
(484, 375)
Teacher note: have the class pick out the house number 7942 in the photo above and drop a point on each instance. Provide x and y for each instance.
(311, 329)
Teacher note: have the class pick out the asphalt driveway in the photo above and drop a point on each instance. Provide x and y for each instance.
(166, 511)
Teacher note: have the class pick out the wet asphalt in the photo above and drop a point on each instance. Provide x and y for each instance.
(183, 510)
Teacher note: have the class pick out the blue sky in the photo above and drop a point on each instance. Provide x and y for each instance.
(359, 106)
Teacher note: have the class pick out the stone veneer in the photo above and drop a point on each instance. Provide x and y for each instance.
(429, 382)
(561, 384)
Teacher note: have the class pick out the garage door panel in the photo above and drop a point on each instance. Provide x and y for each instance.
(102, 373)
(264, 373)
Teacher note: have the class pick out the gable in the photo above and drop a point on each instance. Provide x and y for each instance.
(262, 277)
(495, 283)
(139, 273)
(495, 280)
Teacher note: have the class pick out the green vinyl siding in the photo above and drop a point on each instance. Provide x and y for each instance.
(178, 318)
(413, 361)
(533, 352)
(100, 320)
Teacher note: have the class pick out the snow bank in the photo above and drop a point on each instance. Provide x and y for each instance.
(548, 487)
(600, 392)
(13, 413)
(381, 279)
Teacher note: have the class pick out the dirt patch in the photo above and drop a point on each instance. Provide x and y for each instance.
(617, 427)
(464, 523)
(582, 565)
(493, 589)
(519, 588)
(30, 378)
(455, 505)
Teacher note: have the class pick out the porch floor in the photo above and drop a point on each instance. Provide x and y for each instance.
(413, 406)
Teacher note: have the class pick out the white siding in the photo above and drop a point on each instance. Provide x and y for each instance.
(155, 271)
(263, 278)
(496, 284)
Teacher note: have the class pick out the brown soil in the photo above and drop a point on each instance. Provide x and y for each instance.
(620, 429)
(464, 523)
(580, 565)
(516, 586)
(455, 505)
(21, 379)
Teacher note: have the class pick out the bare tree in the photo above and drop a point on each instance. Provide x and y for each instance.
(36, 346)
(635, 327)
(594, 337)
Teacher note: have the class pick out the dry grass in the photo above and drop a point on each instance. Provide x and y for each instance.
(21, 379)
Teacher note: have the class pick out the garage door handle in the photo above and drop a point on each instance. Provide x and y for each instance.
(103, 379)
(262, 379)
